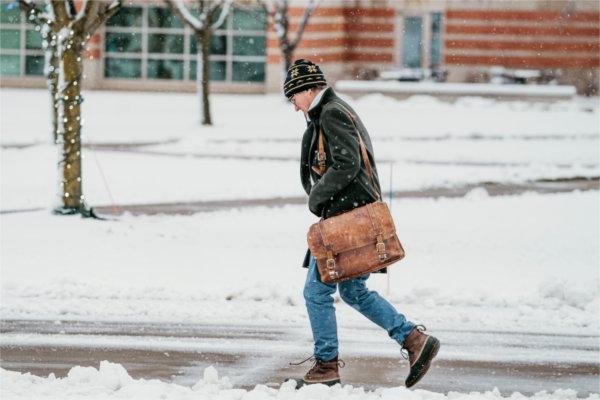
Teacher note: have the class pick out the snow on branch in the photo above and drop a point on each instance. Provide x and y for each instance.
(33, 13)
(95, 13)
(197, 24)
(61, 14)
(226, 6)
(278, 11)
(72, 11)
(307, 12)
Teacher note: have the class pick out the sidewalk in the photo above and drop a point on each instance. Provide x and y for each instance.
(492, 188)
(252, 355)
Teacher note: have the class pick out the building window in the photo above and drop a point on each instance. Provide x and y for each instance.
(436, 39)
(21, 51)
(412, 42)
(149, 42)
(422, 41)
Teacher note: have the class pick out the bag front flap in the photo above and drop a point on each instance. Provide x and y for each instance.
(353, 229)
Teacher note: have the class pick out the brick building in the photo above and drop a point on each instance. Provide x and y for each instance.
(145, 47)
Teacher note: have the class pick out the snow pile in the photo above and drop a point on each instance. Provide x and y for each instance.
(475, 117)
(111, 381)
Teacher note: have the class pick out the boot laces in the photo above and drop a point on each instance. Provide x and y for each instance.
(404, 353)
(311, 358)
(316, 361)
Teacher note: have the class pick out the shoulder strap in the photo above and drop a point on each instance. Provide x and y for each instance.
(363, 149)
(322, 154)
(321, 157)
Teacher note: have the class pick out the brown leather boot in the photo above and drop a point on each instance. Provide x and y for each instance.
(421, 350)
(325, 372)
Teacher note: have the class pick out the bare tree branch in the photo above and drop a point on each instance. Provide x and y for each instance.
(212, 7)
(61, 15)
(33, 13)
(278, 12)
(71, 9)
(226, 6)
(89, 7)
(197, 24)
(101, 15)
(307, 12)
(203, 31)
(89, 10)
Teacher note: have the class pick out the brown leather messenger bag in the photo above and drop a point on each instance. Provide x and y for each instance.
(359, 241)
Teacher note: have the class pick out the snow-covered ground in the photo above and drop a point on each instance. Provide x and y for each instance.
(111, 381)
(526, 263)
(421, 143)
(500, 263)
(145, 117)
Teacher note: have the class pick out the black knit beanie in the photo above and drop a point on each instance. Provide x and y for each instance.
(302, 75)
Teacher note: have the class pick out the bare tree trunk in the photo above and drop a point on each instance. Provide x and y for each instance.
(65, 31)
(72, 68)
(278, 11)
(204, 41)
(288, 54)
(49, 28)
(203, 29)
(52, 74)
(199, 86)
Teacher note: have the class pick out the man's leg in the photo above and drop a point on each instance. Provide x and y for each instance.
(319, 303)
(376, 308)
(421, 348)
(321, 312)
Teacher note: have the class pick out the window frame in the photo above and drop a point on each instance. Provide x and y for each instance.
(419, 50)
(427, 37)
(187, 56)
(23, 52)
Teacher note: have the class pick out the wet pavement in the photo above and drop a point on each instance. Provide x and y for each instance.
(252, 355)
(492, 188)
(543, 186)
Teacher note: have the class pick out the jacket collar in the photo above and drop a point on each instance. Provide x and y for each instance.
(321, 99)
(317, 99)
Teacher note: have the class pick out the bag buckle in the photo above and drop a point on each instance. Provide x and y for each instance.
(331, 268)
(381, 250)
(321, 161)
(330, 263)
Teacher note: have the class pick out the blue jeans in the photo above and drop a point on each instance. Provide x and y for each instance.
(319, 303)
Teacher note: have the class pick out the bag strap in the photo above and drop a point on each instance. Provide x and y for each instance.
(330, 263)
(322, 155)
(378, 229)
(363, 150)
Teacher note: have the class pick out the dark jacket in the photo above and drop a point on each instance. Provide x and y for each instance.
(346, 184)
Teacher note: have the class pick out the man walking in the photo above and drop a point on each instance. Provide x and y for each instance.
(337, 181)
